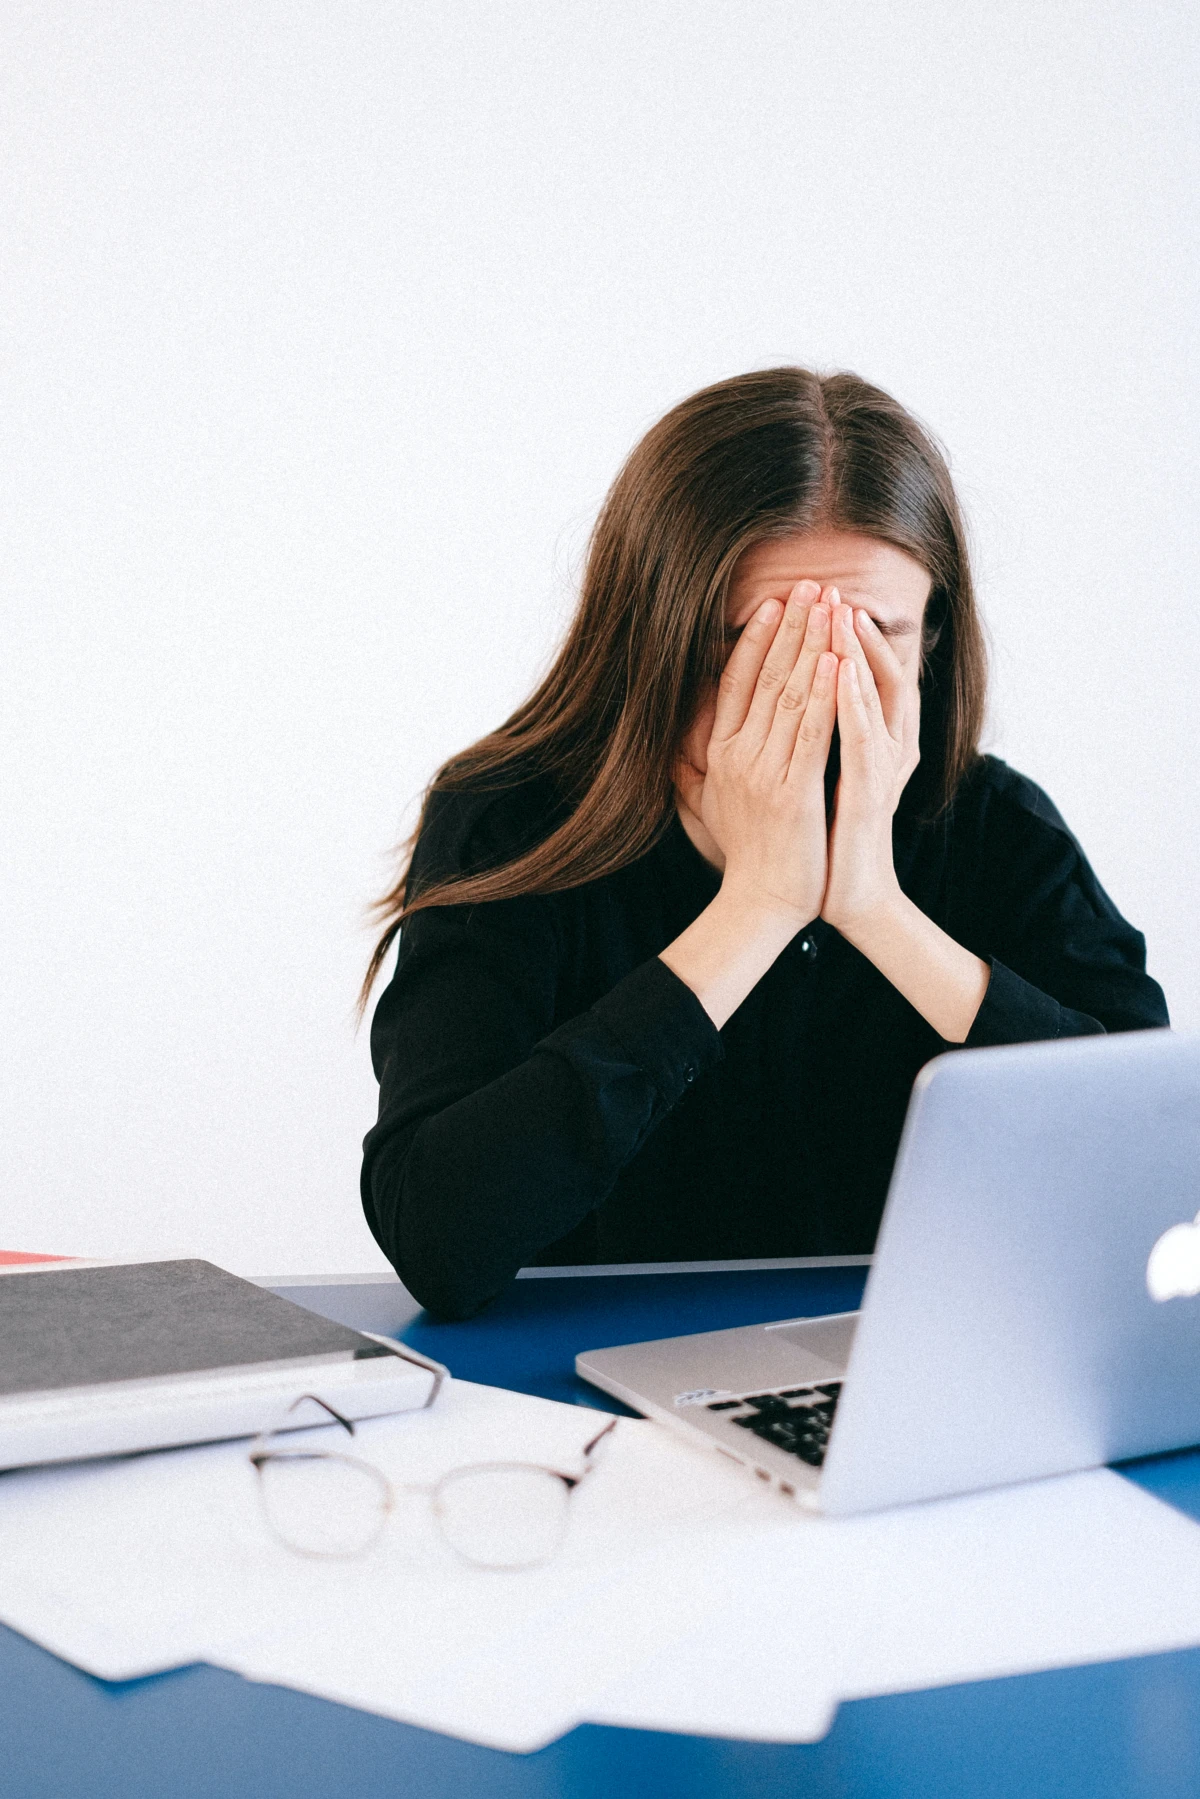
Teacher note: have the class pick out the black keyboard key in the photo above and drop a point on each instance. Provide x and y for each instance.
(801, 1445)
(797, 1420)
(807, 1445)
(760, 1425)
(798, 1440)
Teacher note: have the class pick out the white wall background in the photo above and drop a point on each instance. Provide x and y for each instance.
(326, 327)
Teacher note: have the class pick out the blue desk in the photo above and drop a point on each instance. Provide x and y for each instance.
(1109, 1732)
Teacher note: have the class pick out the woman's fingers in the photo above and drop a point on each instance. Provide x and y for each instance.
(890, 679)
(779, 662)
(736, 688)
(846, 644)
(815, 734)
(856, 726)
(794, 697)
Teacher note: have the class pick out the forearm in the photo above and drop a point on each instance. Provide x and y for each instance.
(940, 979)
(462, 1189)
(726, 951)
(462, 1201)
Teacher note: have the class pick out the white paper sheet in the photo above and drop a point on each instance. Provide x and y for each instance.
(511, 1661)
(687, 1597)
(1050, 1574)
(128, 1567)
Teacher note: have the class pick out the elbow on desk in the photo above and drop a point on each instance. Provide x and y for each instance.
(450, 1293)
(447, 1274)
(445, 1284)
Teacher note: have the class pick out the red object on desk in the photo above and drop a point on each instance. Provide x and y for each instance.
(8, 1256)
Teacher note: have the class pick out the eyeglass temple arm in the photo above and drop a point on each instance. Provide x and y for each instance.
(571, 1481)
(599, 1437)
(406, 1354)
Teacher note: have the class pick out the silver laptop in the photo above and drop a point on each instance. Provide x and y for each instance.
(1033, 1306)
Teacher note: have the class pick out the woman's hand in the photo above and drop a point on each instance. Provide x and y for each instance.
(762, 798)
(762, 802)
(879, 714)
(879, 724)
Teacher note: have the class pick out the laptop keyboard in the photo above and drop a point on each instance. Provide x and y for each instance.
(798, 1420)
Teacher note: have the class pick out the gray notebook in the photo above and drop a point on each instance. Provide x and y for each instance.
(74, 1327)
(107, 1360)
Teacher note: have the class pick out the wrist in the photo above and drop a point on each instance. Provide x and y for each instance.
(726, 950)
(752, 911)
(876, 921)
(940, 978)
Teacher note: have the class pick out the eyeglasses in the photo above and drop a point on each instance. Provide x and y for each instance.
(501, 1515)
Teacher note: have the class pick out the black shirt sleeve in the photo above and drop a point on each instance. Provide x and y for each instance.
(1064, 962)
(500, 1128)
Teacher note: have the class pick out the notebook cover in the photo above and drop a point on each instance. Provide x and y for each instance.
(73, 1327)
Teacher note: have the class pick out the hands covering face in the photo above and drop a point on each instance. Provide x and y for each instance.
(795, 670)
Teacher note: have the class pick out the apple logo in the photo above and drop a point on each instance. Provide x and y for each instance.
(1173, 1270)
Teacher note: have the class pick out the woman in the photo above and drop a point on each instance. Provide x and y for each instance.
(676, 939)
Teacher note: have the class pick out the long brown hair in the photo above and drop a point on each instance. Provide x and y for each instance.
(762, 455)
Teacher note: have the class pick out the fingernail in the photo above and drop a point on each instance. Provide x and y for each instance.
(767, 611)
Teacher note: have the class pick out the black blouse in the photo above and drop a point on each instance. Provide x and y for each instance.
(551, 1093)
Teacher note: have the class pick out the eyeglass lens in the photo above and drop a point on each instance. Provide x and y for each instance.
(505, 1516)
(323, 1505)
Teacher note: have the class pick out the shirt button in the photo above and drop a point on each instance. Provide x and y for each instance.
(689, 1073)
(808, 947)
